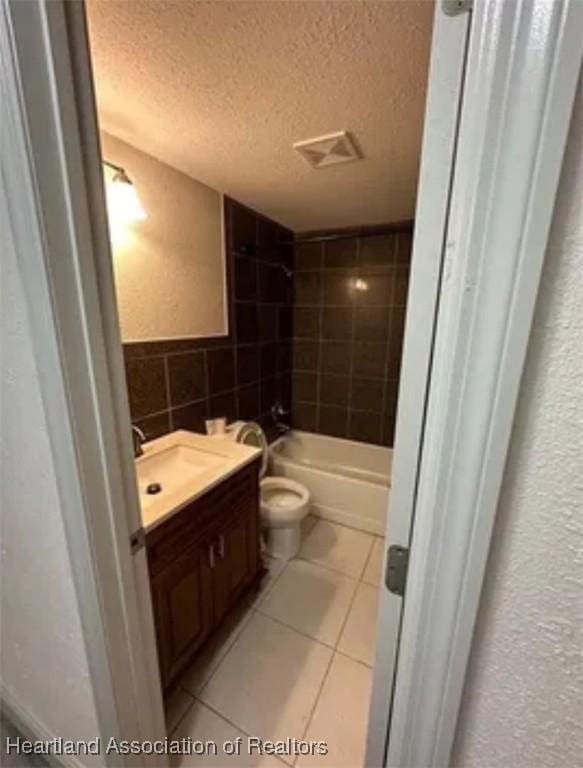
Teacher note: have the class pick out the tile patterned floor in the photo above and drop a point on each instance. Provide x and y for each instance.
(293, 661)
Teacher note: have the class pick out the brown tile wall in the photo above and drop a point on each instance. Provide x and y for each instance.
(347, 342)
(178, 384)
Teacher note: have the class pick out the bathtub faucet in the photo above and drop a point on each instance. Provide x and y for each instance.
(278, 411)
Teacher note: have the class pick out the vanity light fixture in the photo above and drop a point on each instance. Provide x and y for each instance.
(123, 202)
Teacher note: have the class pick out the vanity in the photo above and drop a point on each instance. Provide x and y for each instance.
(199, 497)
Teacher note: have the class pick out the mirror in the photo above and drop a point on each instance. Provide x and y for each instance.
(167, 238)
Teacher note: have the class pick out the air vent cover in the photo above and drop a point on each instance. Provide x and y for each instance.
(328, 150)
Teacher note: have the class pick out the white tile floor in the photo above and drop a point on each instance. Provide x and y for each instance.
(293, 661)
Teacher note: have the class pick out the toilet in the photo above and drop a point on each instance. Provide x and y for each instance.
(283, 502)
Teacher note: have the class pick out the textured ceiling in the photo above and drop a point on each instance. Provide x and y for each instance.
(221, 90)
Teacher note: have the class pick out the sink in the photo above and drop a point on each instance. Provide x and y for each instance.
(173, 468)
(179, 467)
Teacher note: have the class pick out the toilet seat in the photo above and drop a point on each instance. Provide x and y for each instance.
(283, 501)
(250, 433)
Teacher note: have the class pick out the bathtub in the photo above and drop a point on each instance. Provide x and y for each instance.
(349, 482)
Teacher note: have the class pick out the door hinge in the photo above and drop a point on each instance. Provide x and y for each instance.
(455, 7)
(137, 540)
(396, 574)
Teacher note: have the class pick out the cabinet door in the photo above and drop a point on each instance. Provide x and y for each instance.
(182, 596)
(237, 559)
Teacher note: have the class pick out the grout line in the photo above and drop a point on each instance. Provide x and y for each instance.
(168, 395)
(150, 415)
(332, 647)
(186, 711)
(351, 350)
(320, 307)
(388, 345)
(295, 629)
(332, 657)
(254, 611)
(367, 561)
(208, 344)
(261, 599)
(329, 666)
(251, 612)
(353, 658)
(330, 569)
(348, 612)
(190, 402)
(236, 379)
(380, 305)
(345, 525)
(231, 642)
(234, 725)
(317, 699)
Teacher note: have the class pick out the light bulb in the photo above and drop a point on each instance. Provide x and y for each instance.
(123, 202)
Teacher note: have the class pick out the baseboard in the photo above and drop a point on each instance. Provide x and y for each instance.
(345, 518)
(31, 728)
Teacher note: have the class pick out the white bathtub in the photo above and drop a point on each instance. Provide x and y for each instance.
(349, 482)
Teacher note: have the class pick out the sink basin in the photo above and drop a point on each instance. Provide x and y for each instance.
(179, 467)
(172, 469)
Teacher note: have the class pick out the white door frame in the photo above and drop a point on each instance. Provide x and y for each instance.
(524, 60)
(510, 147)
(442, 112)
(51, 171)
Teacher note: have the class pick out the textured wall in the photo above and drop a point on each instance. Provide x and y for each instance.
(43, 664)
(524, 693)
(169, 269)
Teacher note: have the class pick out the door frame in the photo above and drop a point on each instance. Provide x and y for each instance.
(510, 146)
(51, 170)
(442, 114)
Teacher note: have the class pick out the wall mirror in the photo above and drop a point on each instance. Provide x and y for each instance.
(167, 238)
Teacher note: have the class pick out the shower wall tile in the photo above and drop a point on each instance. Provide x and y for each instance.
(331, 353)
(305, 416)
(365, 426)
(178, 384)
(306, 355)
(349, 314)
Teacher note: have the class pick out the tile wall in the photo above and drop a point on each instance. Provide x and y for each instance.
(349, 314)
(178, 384)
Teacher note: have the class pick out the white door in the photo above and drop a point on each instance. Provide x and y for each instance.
(448, 55)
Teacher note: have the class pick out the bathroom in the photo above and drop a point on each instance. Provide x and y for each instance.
(261, 241)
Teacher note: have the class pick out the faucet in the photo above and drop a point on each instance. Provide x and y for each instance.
(277, 413)
(138, 437)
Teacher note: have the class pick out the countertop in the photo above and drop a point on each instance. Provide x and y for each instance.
(179, 486)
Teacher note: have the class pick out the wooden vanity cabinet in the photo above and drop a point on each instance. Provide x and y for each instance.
(201, 560)
(236, 562)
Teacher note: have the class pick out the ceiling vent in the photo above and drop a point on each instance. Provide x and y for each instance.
(328, 150)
